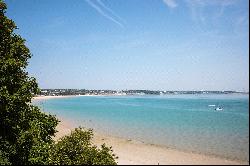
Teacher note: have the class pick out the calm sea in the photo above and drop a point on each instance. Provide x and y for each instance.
(184, 122)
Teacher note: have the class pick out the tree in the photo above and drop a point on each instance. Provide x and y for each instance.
(22, 125)
(26, 132)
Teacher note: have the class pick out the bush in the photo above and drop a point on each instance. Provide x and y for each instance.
(77, 149)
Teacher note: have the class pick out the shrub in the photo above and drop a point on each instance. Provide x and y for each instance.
(77, 149)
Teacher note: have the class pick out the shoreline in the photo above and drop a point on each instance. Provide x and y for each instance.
(69, 96)
(52, 97)
(133, 152)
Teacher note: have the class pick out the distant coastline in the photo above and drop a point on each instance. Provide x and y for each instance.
(84, 92)
(52, 95)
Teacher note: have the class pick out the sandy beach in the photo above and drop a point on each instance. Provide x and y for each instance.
(67, 96)
(132, 152)
(50, 97)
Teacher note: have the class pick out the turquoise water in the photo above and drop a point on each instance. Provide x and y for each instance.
(184, 122)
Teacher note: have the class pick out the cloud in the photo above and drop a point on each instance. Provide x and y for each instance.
(108, 9)
(170, 3)
(198, 7)
(102, 9)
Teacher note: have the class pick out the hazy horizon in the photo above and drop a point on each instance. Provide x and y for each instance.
(132, 44)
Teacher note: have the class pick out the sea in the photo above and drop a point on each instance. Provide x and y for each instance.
(184, 122)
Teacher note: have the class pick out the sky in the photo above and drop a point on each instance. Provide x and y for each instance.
(136, 44)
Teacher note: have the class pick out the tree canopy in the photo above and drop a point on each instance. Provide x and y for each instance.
(26, 133)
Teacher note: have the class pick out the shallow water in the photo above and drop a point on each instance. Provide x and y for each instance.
(184, 122)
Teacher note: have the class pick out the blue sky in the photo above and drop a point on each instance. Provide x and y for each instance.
(136, 44)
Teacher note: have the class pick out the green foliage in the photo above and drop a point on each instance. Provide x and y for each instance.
(26, 132)
(22, 126)
(77, 149)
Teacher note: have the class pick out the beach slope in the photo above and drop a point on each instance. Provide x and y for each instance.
(133, 152)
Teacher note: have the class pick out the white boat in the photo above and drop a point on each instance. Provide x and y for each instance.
(218, 109)
(211, 105)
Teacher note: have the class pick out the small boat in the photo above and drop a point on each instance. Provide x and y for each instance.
(211, 105)
(218, 109)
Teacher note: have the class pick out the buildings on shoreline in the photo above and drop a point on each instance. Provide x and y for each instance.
(63, 92)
